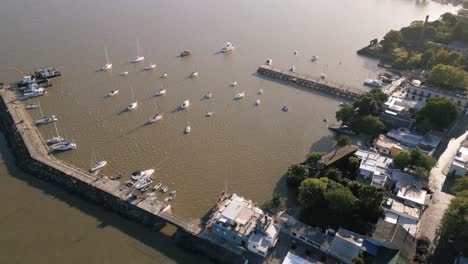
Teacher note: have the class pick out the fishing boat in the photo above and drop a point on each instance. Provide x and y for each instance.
(31, 106)
(108, 65)
(161, 92)
(234, 83)
(157, 186)
(285, 108)
(47, 73)
(113, 92)
(185, 104)
(314, 58)
(155, 118)
(185, 53)
(210, 113)
(150, 67)
(125, 73)
(208, 95)
(46, 120)
(145, 182)
(164, 75)
(134, 104)
(269, 62)
(227, 48)
(240, 95)
(56, 139)
(98, 165)
(257, 102)
(194, 74)
(187, 130)
(137, 175)
(164, 189)
(139, 57)
(64, 146)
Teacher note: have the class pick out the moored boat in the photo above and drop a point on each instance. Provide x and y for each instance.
(98, 165)
(373, 83)
(187, 130)
(161, 92)
(229, 46)
(194, 74)
(46, 120)
(64, 146)
(32, 106)
(239, 95)
(155, 118)
(113, 92)
(150, 67)
(185, 53)
(185, 104)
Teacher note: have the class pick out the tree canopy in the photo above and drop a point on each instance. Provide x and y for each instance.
(296, 174)
(368, 124)
(439, 113)
(343, 140)
(345, 114)
(449, 77)
(391, 41)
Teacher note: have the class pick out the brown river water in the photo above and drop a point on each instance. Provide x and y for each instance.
(242, 146)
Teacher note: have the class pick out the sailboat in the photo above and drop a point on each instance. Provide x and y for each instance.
(134, 103)
(56, 139)
(45, 119)
(97, 164)
(156, 117)
(138, 58)
(108, 65)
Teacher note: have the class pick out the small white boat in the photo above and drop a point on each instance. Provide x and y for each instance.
(172, 194)
(98, 165)
(185, 53)
(208, 95)
(187, 130)
(373, 83)
(132, 106)
(194, 74)
(292, 69)
(137, 175)
(55, 140)
(150, 67)
(285, 108)
(157, 186)
(113, 92)
(124, 73)
(227, 48)
(210, 113)
(31, 106)
(240, 95)
(165, 189)
(314, 58)
(46, 120)
(161, 92)
(296, 52)
(269, 62)
(64, 146)
(344, 104)
(164, 75)
(155, 118)
(257, 102)
(323, 76)
(139, 57)
(185, 104)
(35, 93)
(108, 65)
(145, 182)
(234, 83)
(260, 91)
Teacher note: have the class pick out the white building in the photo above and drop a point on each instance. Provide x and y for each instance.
(396, 212)
(460, 162)
(422, 93)
(374, 166)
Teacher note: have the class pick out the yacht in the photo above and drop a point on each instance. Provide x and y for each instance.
(132, 106)
(113, 92)
(36, 93)
(138, 58)
(314, 58)
(125, 73)
(210, 113)
(46, 120)
(292, 69)
(234, 83)
(164, 189)
(269, 62)
(285, 108)
(185, 53)
(194, 74)
(164, 75)
(161, 92)
(240, 95)
(137, 175)
(208, 95)
(147, 181)
(56, 139)
(260, 91)
(155, 118)
(187, 130)
(185, 104)
(31, 106)
(227, 48)
(63, 146)
(373, 83)
(157, 186)
(257, 102)
(150, 67)
(108, 65)
(98, 165)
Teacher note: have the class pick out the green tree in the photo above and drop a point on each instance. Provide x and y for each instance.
(313, 157)
(421, 173)
(440, 112)
(296, 174)
(369, 124)
(345, 114)
(455, 222)
(449, 77)
(312, 191)
(419, 159)
(278, 202)
(402, 160)
(341, 200)
(333, 174)
(367, 105)
(460, 185)
(352, 171)
(391, 41)
(343, 140)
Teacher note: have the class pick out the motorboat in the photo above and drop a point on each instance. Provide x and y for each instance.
(155, 118)
(208, 95)
(269, 62)
(240, 95)
(194, 74)
(234, 83)
(260, 91)
(257, 102)
(185, 104)
(172, 194)
(164, 75)
(32, 106)
(292, 69)
(29, 79)
(98, 165)
(130, 183)
(185, 53)
(157, 186)
(113, 92)
(47, 73)
(147, 181)
(344, 104)
(64, 146)
(210, 113)
(314, 58)
(343, 130)
(55, 140)
(325, 120)
(164, 189)
(139, 57)
(373, 83)
(132, 106)
(187, 130)
(125, 73)
(296, 52)
(285, 108)
(46, 120)
(137, 175)
(227, 48)
(323, 76)
(161, 92)
(38, 92)
(108, 65)
(150, 67)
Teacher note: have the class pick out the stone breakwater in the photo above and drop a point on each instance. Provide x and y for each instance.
(32, 156)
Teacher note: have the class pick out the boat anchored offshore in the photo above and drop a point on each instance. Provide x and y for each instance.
(234, 83)
(257, 102)
(292, 69)
(208, 95)
(314, 58)
(125, 73)
(373, 83)
(187, 130)
(113, 92)
(227, 48)
(134, 104)
(185, 104)
(285, 108)
(139, 57)
(210, 113)
(164, 75)
(194, 74)
(240, 95)
(31, 106)
(269, 62)
(64, 146)
(161, 92)
(150, 67)
(155, 118)
(185, 53)
(98, 165)
(108, 65)
(260, 91)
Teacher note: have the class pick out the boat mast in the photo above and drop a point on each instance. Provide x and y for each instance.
(131, 90)
(107, 58)
(56, 130)
(40, 109)
(138, 47)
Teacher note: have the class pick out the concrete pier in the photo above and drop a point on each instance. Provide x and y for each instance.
(312, 82)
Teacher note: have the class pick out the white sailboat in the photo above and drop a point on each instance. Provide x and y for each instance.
(108, 65)
(45, 120)
(151, 66)
(240, 95)
(113, 92)
(134, 103)
(156, 117)
(257, 102)
(138, 58)
(234, 83)
(56, 139)
(97, 164)
(185, 104)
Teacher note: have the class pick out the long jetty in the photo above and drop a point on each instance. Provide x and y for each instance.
(309, 81)
(32, 155)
